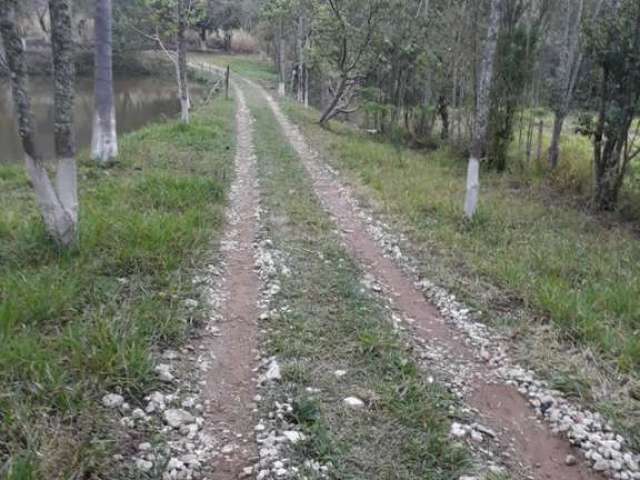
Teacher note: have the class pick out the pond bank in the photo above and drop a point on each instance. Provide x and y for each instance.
(75, 326)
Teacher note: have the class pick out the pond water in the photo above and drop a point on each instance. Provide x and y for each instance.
(138, 101)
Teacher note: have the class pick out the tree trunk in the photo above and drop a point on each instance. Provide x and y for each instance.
(183, 85)
(554, 148)
(281, 62)
(104, 141)
(301, 59)
(61, 12)
(58, 202)
(306, 88)
(570, 64)
(443, 111)
(329, 112)
(482, 111)
(203, 39)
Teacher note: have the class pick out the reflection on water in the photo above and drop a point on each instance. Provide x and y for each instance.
(138, 101)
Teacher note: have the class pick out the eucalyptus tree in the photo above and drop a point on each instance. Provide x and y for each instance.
(568, 41)
(613, 44)
(104, 141)
(402, 61)
(482, 109)
(58, 199)
(523, 24)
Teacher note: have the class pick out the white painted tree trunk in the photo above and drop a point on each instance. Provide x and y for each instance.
(281, 63)
(104, 140)
(181, 65)
(66, 181)
(473, 187)
(58, 201)
(301, 59)
(482, 111)
(58, 204)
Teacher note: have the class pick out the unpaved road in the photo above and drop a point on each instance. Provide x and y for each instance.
(231, 387)
(500, 406)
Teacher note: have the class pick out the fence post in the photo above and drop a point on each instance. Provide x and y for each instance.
(226, 82)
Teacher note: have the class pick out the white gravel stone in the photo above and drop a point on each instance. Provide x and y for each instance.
(164, 372)
(176, 418)
(293, 436)
(353, 402)
(143, 465)
(112, 400)
(273, 373)
(190, 303)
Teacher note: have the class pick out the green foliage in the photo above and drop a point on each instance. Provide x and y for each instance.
(515, 58)
(614, 45)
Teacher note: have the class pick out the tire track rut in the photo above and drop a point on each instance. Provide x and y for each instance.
(526, 442)
(228, 384)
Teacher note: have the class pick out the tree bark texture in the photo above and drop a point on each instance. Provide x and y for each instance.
(104, 140)
(58, 201)
(482, 111)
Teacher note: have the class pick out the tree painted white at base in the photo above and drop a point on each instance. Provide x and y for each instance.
(473, 188)
(59, 203)
(104, 139)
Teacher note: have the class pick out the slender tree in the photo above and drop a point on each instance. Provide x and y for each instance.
(104, 142)
(482, 110)
(181, 63)
(58, 200)
(614, 43)
(163, 21)
(570, 61)
(282, 63)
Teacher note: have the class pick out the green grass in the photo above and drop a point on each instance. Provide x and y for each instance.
(565, 284)
(250, 66)
(584, 276)
(76, 325)
(332, 323)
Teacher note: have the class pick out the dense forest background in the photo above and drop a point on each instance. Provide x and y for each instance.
(560, 102)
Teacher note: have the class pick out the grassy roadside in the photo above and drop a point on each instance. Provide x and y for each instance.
(524, 258)
(332, 323)
(75, 326)
(585, 277)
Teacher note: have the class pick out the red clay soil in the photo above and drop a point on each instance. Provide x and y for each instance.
(501, 407)
(230, 387)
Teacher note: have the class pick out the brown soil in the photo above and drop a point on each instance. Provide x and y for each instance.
(229, 386)
(501, 407)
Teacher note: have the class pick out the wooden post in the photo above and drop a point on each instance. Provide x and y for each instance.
(226, 82)
(540, 132)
